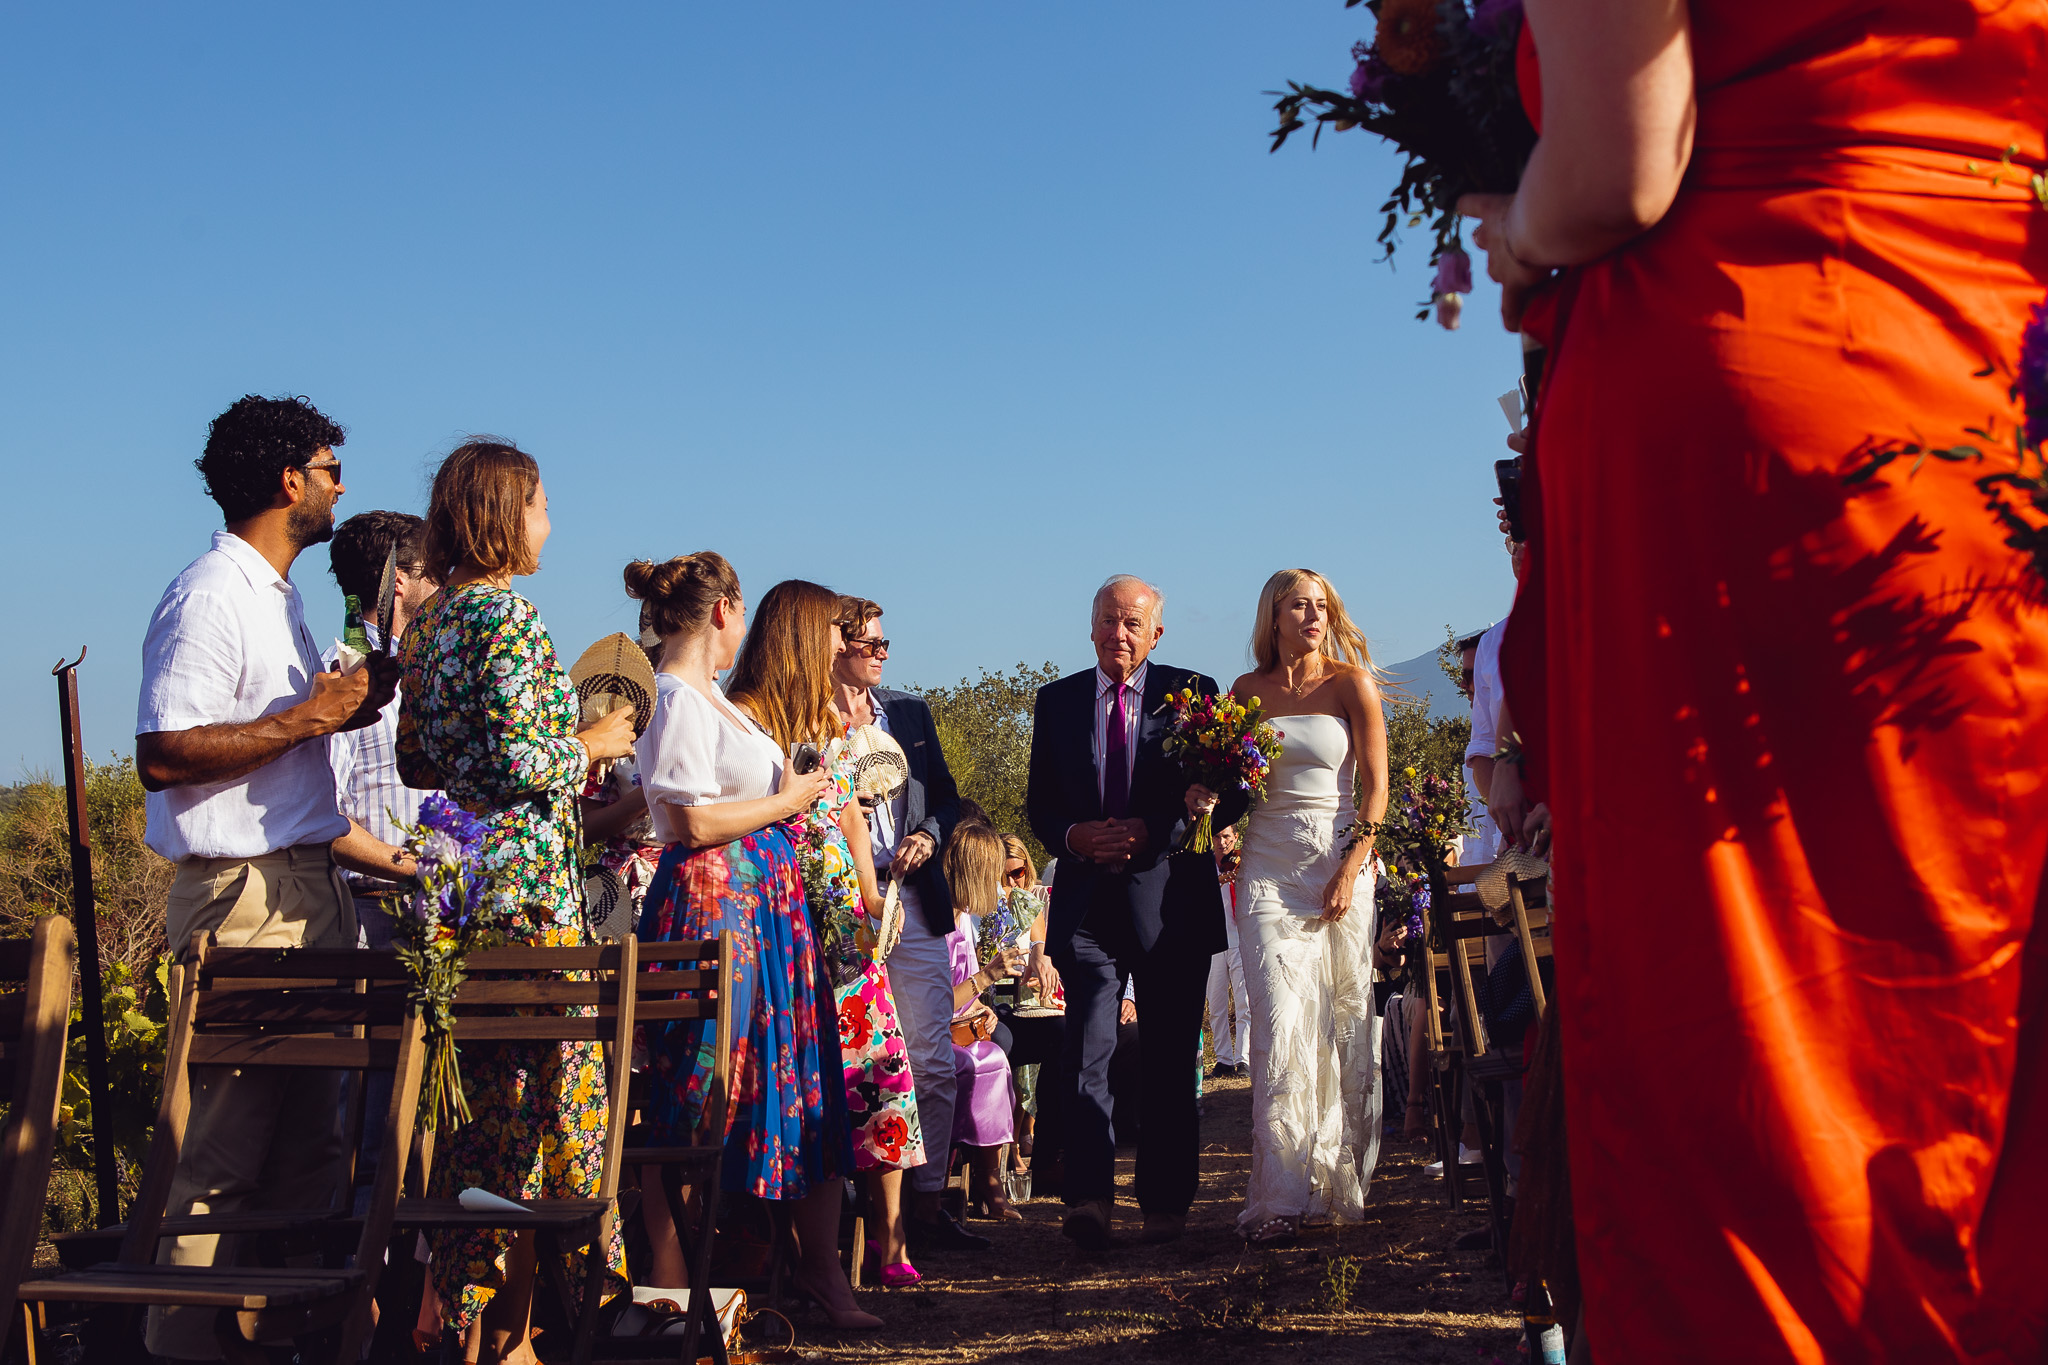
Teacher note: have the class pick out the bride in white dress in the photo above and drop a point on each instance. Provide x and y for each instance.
(1304, 914)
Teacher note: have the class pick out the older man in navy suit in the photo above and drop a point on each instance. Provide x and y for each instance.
(1104, 796)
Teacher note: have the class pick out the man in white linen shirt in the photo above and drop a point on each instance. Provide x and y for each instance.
(230, 741)
(907, 831)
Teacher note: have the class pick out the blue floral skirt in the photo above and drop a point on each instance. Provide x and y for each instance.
(788, 1131)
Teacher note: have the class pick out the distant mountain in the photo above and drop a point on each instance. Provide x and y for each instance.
(1420, 677)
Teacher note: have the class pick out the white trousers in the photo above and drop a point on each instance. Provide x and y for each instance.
(1232, 1041)
(921, 982)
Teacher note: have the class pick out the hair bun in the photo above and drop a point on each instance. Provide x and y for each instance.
(679, 592)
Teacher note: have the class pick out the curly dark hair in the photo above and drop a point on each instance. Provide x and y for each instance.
(249, 447)
(361, 545)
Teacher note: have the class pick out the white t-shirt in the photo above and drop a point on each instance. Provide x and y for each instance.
(229, 643)
(696, 752)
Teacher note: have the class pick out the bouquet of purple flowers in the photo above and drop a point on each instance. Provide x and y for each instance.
(451, 915)
(1438, 81)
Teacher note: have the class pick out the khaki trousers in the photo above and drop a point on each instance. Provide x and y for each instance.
(263, 1138)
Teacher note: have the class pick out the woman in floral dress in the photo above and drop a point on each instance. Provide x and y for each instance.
(881, 1100)
(726, 803)
(490, 717)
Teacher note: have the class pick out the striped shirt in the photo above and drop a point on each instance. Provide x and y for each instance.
(366, 782)
(1105, 703)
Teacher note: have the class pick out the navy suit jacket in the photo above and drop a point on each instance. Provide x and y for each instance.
(1158, 902)
(932, 802)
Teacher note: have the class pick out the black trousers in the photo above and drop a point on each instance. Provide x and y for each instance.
(1170, 995)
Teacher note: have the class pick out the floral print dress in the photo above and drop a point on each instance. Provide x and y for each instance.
(881, 1101)
(489, 716)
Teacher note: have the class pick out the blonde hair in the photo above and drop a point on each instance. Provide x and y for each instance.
(1013, 847)
(974, 867)
(783, 676)
(1342, 640)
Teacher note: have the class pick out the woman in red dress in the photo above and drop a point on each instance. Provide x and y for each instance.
(1793, 730)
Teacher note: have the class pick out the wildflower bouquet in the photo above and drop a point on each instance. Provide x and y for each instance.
(1423, 820)
(1438, 81)
(1221, 743)
(452, 915)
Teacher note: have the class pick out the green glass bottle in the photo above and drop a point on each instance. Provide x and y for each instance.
(352, 633)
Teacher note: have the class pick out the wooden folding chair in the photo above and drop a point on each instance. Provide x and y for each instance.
(604, 1013)
(688, 980)
(250, 1008)
(1471, 1059)
(32, 1025)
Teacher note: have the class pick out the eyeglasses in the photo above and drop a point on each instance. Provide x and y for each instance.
(874, 649)
(332, 469)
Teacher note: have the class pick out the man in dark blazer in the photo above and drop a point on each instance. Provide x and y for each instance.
(907, 832)
(1106, 799)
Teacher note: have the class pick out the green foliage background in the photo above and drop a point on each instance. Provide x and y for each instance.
(985, 729)
(130, 886)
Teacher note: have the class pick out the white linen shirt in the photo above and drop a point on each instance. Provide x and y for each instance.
(366, 780)
(229, 643)
(697, 752)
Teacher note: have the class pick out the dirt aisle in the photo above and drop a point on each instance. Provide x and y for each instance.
(1206, 1298)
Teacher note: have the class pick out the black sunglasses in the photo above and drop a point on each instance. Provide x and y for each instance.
(332, 469)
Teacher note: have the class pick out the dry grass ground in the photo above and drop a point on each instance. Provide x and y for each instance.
(1206, 1297)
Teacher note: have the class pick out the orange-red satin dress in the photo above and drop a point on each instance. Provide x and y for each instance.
(1795, 733)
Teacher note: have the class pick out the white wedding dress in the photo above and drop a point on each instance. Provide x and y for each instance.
(1315, 1036)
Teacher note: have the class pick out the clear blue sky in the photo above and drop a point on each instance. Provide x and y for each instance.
(961, 307)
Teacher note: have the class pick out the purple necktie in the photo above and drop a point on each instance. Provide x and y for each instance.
(1116, 762)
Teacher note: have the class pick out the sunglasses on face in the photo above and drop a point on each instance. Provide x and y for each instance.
(1015, 874)
(332, 469)
(874, 649)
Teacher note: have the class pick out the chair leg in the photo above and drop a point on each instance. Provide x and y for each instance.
(235, 1348)
(703, 1312)
(595, 1268)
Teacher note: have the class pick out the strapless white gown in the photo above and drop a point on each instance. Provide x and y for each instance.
(1315, 1037)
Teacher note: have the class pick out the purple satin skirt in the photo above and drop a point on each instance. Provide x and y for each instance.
(984, 1104)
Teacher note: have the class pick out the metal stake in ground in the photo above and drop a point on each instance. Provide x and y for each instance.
(85, 915)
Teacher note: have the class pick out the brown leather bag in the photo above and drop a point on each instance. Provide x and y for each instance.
(977, 1028)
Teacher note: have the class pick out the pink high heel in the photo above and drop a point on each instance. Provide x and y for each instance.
(892, 1276)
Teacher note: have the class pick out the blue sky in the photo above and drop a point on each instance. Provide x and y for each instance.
(961, 307)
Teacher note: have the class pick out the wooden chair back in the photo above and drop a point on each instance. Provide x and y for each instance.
(33, 1017)
(692, 979)
(553, 1008)
(277, 1007)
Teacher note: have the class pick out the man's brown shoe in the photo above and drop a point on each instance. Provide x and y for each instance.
(1163, 1227)
(1087, 1225)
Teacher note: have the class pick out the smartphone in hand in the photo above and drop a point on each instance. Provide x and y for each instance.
(1508, 474)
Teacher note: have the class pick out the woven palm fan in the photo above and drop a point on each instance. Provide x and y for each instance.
(613, 673)
(879, 767)
(607, 907)
(879, 772)
(1492, 885)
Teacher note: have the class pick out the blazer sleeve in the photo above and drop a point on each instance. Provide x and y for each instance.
(1044, 806)
(941, 793)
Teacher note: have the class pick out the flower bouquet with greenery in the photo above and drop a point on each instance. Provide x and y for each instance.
(1438, 81)
(1221, 743)
(451, 916)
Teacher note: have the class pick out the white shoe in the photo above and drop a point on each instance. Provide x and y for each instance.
(1466, 1157)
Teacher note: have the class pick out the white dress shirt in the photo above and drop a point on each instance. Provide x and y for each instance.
(229, 643)
(885, 831)
(366, 781)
